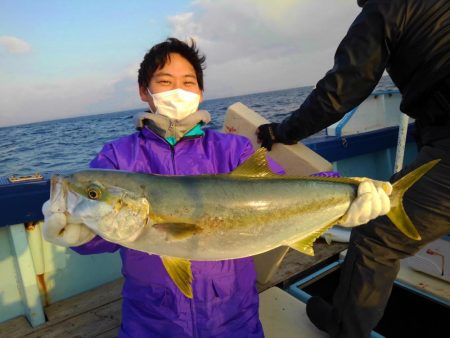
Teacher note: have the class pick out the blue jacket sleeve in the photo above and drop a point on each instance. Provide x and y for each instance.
(105, 159)
(95, 246)
(327, 174)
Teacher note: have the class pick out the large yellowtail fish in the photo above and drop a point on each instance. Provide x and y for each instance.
(213, 217)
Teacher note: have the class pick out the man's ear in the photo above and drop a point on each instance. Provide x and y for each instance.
(143, 93)
(201, 96)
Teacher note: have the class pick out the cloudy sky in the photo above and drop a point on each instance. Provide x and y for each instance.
(61, 58)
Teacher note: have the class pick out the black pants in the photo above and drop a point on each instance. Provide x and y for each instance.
(375, 249)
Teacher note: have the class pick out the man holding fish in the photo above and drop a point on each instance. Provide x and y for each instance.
(170, 141)
(208, 200)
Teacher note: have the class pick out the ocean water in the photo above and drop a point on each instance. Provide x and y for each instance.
(70, 144)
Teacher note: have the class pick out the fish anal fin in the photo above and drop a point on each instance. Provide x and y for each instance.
(178, 231)
(179, 270)
(305, 245)
(255, 166)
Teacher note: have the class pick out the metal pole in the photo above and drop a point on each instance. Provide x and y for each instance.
(401, 142)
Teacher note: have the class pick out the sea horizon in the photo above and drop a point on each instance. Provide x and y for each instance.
(70, 143)
(143, 108)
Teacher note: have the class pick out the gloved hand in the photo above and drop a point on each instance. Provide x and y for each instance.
(371, 201)
(266, 135)
(57, 231)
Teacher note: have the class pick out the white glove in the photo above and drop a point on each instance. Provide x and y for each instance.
(57, 231)
(372, 201)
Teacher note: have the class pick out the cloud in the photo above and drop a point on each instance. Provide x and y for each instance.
(15, 45)
(254, 45)
(120, 93)
(251, 46)
(39, 101)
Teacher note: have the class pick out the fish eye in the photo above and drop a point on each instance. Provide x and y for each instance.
(93, 193)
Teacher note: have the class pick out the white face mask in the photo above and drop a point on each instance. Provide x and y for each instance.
(176, 104)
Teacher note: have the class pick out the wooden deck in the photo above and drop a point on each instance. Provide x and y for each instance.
(96, 313)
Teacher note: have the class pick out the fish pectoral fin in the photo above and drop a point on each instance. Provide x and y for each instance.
(305, 245)
(179, 270)
(255, 166)
(178, 231)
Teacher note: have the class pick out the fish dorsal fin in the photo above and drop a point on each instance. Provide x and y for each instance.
(179, 270)
(305, 245)
(255, 166)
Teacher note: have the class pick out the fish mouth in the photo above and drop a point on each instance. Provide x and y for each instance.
(57, 202)
(58, 194)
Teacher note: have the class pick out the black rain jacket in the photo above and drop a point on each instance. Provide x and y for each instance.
(408, 38)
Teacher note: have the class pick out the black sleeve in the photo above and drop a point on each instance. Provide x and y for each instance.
(359, 62)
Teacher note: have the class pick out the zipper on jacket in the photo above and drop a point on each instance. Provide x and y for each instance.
(194, 319)
(172, 152)
(172, 149)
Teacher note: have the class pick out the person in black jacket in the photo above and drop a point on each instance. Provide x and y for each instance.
(410, 39)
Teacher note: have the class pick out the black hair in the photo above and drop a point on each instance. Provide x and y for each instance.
(158, 55)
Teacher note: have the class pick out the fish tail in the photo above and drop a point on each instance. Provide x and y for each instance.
(397, 213)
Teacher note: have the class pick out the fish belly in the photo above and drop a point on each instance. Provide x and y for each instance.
(239, 218)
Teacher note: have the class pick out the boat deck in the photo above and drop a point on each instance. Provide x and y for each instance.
(97, 313)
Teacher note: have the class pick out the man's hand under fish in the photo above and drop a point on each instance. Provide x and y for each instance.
(58, 231)
(371, 202)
